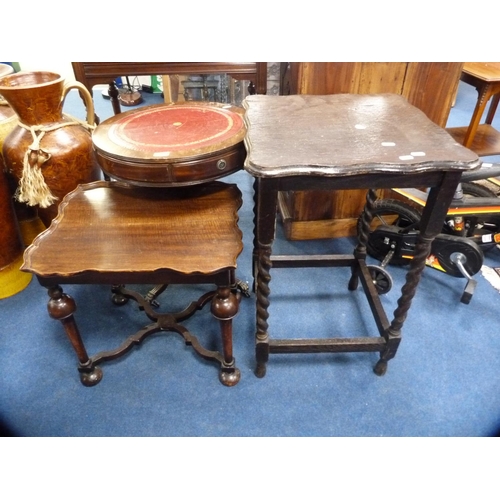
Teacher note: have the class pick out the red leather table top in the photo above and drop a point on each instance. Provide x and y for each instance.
(168, 132)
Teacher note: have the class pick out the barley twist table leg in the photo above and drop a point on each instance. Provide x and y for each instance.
(393, 335)
(360, 250)
(262, 294)
(266, 201)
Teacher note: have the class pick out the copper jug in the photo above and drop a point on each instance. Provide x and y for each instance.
(48, 152)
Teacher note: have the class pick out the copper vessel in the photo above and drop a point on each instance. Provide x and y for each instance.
(48, 153)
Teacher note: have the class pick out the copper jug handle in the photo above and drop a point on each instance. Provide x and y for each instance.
(87, 99)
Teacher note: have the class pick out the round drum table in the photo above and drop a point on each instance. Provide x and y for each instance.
(178, 144)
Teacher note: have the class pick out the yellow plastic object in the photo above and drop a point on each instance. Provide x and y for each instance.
(12, 280)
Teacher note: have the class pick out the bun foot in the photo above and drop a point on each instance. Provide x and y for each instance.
(92, 378)
(380, 368)
(230, 378)
(119, 299)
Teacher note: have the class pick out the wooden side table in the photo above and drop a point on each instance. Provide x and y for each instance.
(481, 138)
(94, 73)
(345, 141)
(112, 232)
(164, 220)
(167, 145)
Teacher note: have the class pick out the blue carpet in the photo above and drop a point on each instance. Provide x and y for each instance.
(443, 382)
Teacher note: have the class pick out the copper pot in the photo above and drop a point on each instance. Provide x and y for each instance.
(49, 153)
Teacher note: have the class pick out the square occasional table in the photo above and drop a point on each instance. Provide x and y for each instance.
(345, 141)
(114, 233)
(483, 138)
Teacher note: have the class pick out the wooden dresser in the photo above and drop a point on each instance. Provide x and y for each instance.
(430, 87)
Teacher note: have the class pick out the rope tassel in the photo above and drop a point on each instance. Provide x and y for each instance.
(32, 188)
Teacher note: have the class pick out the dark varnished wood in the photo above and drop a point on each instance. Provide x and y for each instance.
(180, 173)
(344, 135)
(111, 232)
(345, 141)
(94, 73)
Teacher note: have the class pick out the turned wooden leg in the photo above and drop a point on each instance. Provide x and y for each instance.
(225, 306)
(61, 307)
(113, 96)
(483, 98)
(493, 108)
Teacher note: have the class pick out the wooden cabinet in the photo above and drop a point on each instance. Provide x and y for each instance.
(430, 87)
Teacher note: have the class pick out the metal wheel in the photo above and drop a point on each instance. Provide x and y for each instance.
(480, 225)
(389, 212)
(445, 246)
(477, 190)
(381, 279)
